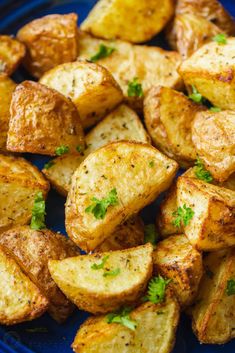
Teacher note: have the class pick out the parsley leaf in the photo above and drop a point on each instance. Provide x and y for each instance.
(230, 290)
(135, 88)
(150, 234)
(220, 38)
(79, 148)
(61, 150)
(156, 289)
(201, 172)
(122, 317)
(99, 207)
(38, 212)
(49, 164)
(151, 164)
(196, 96)
(103, 52)
(183, 214)
(215, 109)
(100, 265)
(112, 273)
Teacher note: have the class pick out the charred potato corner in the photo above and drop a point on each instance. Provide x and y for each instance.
(115, 118)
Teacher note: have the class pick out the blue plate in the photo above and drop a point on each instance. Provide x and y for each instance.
(58, 338)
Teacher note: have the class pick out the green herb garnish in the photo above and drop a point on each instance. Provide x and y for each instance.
(79, 148)
(196, 96)
(215, 109)
(135, 88)
(151, 164)
(38, 212)
(103, 52)
(101, 264)
(183, 215)
(156, 290)
(49, 164)
(230, 290)
(150, 234)
(112, 273)
(37, 330)
(61, 150)
(220, 38)
(201, 172)
(122, 317)
(99, 207)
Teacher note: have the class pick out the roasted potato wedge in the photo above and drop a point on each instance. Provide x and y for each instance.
(176, 259)
(11, 54)
(210, 69)
(131, 174)
(100, 283)
(212, 225)
(155, 331)
(211, 10)
(149, 18)
(43, 120)
(50, 41)
(84, 83)
(7, 87)
(32, 249)
(214, 311)
(20, 181)
(20, 299)
(121, 124)
(213, 135)
(168, 117)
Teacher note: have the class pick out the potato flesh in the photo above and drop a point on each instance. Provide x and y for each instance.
(11, 54)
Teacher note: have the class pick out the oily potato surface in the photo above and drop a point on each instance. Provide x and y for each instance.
(119, 16)
(86, 82)
(136, 172)
(50, 41)
(20, 181)
(42, 120)
(20, 299)
(155, 331)
(97, 290)
(32, 250)
(11, 54)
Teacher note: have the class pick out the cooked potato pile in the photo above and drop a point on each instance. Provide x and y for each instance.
(50, 41)
(11, 54)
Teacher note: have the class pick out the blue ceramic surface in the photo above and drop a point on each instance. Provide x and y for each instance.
(58, 338)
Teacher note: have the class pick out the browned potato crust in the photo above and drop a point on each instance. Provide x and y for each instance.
(214, 311)
(20, 181)
(20, 299)
(50, 41)
(32, 249)
(176, 259)
(11, 54)
(7, 87)
(213, 135)
(42, 120)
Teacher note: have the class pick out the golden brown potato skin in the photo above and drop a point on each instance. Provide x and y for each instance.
(50, 41)
(11, 54)
(176, 259)
(20, 181)
(20, 299)
(42, 119)
(213, 135)
(161, 320)
(213, 314)
(32, 249)
(147, 17)
(7, 87)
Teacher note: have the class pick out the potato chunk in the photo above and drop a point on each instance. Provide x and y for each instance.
(11, 54)
(20, 299)
(176, 259)
(100, 283)
(214, 311)
(212, 225)
(210, 69)
(43, 120)
(84, 83)
(213, 135)
(7, 87)
(119, 16)
(121, 124)
(155, 331)
(50, 41)
(128, 175)
(20, 181)
(32, 249)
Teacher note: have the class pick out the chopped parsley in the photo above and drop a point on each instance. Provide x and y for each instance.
(103, 52)
(151, 164)
(150, 234)
(135, 88)
(220, 38)
(112, 273)
(156, 289)
(122, 317)
(182, 215)
(61, 150)
(195, 96)
(79, 148)
(101, 264)
(49, 164)
(230, 290)
(215, 109)
(201, 172)
(38, 212)
(99, 207)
